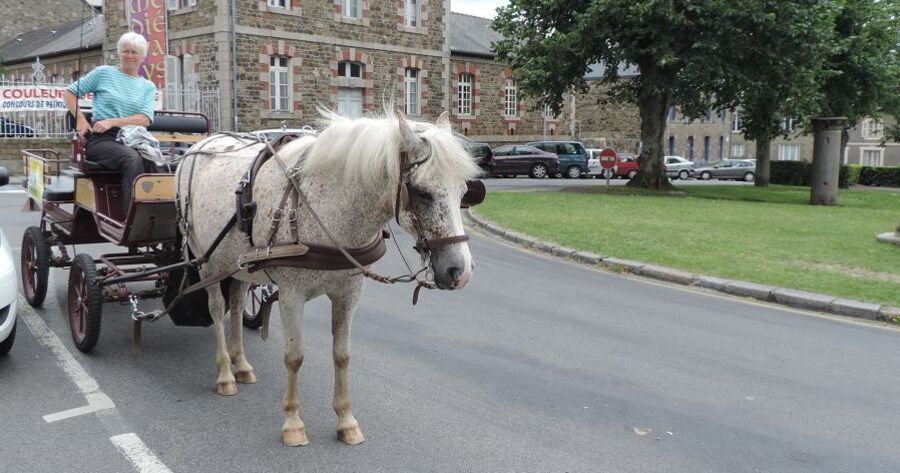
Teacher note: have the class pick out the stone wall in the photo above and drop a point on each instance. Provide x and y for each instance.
(23, 16)
(11, 151)
(57, 69)
(600, 124)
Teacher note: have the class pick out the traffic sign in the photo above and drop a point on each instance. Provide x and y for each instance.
(608, 158)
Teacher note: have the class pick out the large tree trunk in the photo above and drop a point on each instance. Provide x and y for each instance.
(763, 157)
(652, 105)
(826, 167)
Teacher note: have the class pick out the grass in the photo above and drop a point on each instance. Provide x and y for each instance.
(764, 235)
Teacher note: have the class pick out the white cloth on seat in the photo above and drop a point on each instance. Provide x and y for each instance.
(139, 138)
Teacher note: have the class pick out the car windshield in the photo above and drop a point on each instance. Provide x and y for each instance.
(527, 150)
(503, 151)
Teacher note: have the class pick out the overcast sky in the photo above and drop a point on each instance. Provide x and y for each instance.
(482, 8)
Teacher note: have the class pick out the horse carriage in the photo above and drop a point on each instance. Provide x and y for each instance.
(80, 204)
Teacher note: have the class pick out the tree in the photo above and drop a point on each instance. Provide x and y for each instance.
(779, 86)
(686, 52)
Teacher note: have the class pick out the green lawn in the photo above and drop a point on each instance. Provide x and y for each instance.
(770, 236)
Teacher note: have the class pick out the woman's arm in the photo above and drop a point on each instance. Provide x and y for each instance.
(137, 119)
(81, 123)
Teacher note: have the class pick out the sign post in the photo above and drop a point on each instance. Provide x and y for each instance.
(608, 160)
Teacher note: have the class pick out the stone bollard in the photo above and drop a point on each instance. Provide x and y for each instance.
(826, 167)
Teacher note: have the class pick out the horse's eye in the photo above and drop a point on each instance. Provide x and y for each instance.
(423, 195)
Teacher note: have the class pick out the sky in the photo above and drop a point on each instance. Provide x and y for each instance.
(482, 8)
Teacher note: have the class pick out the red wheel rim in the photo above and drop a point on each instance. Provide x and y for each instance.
(29, 267)
(78, 304)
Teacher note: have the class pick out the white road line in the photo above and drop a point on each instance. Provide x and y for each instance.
(86, 384)
(138, 454)
(12, 191)
(96, 402)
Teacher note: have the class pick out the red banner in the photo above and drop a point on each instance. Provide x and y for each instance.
(148, 19)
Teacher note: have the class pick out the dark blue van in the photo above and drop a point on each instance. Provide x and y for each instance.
(573, 158)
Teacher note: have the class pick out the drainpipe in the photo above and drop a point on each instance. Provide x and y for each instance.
(231, 19)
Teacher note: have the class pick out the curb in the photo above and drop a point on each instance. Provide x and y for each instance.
(777, 295)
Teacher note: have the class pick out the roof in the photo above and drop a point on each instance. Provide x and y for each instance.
(55, 40)
(471, 35)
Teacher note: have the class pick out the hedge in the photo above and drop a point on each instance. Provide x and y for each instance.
(797, 173)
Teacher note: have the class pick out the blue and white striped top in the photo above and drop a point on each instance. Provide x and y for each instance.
(116, 94)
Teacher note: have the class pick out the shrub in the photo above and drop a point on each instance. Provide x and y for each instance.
(879, 177)
(853, 171)
(797, 173)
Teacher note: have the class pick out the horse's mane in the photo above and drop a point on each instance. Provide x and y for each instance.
(366, 151)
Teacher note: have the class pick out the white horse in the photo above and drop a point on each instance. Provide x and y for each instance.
(350, 174)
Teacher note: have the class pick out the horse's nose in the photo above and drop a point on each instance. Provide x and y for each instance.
(454, 273)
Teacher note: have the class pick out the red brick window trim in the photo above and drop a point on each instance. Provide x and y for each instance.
(275, 58)
(280, 7)
(466, 83)
(412, 16)
(350, 57)
(355, 12)
(411, 78)
(511, 104)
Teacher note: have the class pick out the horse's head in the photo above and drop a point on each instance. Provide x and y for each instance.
(434, 170)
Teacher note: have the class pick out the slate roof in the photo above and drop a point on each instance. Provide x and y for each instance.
(54, 40)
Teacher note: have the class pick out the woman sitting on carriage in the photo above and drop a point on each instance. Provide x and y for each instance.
(121, 98)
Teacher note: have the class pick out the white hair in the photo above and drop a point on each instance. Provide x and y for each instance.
(133, 39)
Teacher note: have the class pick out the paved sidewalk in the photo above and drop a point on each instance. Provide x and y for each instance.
(778, 295)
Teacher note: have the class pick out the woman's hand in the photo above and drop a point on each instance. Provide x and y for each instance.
(82, 126)
(102, 126)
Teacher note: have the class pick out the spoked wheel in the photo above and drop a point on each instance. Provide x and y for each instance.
(35, 265)
(257, 304)
(85, 302)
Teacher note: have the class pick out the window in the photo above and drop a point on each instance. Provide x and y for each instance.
(510, 104)
(411, 13)
(465, 94)
(350, 70)
(690, 148)
(351, 8)
(671, 145)
(279, 83)
(871, 157)
(279, 3)
(789, 152)
(789, 124)
(737, 150)
(736, 122)
(170, 4)
(721, 115)
(411, 88)
(548, 112)
(721, 147)
(670, 114)
(706, 148)
(181, 83)
(503, 151)
(872, 129)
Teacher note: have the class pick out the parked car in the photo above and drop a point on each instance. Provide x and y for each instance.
(10, 128)
(573, 158)
(8, 286)
(483, 156)
(743, 169)
(513, 160)
(626, 166)
(678, 167)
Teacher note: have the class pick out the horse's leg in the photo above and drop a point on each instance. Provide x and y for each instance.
(225, 382)
(343, 306)
(243, 372)
(293, 432)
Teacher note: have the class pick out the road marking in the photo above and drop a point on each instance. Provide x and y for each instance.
(96, 402)
(12, 191)
(131, 446)
(138, 454)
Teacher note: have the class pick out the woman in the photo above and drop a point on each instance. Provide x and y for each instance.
(121, 98)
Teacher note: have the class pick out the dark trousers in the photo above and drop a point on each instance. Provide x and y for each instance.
(103, 149)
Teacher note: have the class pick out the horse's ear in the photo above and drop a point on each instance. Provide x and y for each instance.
(410, 141)
(443, 121)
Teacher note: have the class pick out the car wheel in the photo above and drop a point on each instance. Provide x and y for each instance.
(35, 265)
(85, 302)
(6, 345)
(683, 174)
(705, 176)
(573, 172)
(631, 174)
(257, 305)
(748, 177)
(538, 171)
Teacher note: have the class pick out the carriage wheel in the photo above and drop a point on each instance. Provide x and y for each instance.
(85, 302)
(35, 265)
(257, 304)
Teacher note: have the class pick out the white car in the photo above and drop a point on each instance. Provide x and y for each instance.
(8, 287)
(272, 133)
(678, 167)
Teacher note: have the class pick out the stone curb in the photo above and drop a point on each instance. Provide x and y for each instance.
(778, 295)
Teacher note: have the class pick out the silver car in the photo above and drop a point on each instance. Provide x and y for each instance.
(678, 167)
(737, 169)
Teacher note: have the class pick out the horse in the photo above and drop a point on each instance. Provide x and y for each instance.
(356, 175)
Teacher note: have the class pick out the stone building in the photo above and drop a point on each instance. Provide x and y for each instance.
(25, 16)
(63, 49)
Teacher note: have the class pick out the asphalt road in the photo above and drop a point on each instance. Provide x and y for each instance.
(536, 366)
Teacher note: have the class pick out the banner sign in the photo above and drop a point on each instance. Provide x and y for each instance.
(46, 98)
(35, 179)
(148, 19)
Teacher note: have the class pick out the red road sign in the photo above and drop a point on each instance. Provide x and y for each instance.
(607, 158)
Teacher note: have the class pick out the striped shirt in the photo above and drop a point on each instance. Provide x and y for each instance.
(116, 94)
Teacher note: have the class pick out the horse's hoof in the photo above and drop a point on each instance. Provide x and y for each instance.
(294, 437)
(351, 435)
(226, 388)
(245, 377)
